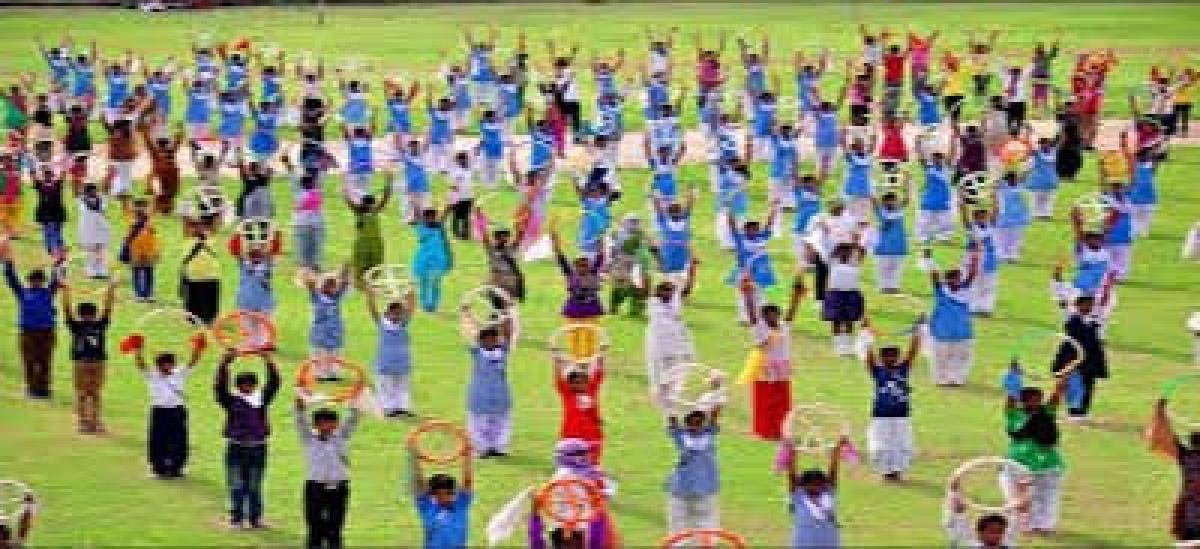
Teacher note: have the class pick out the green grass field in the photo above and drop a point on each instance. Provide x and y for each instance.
(95, 491)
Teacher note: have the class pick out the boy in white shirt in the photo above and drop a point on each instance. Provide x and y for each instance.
(167, 438)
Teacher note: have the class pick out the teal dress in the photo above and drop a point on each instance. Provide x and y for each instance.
(430, 263)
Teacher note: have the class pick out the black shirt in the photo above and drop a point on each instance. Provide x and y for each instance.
(87, 339)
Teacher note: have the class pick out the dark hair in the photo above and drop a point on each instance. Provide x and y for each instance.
(489, 332)
(164, 358)
(37, 274)
(889, 350)
(324, 415)
(990, 519)
(441, 481)
(813, 475)
(694, 415)
(246, 378)
(87, 309)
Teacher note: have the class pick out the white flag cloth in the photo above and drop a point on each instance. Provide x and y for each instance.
(505, 522)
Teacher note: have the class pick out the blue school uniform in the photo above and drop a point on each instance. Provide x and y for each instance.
(354, 110)
(416, 176)
(1090, 268)
(399, 116)
(361, 153)
(510, 101)
(893, 238)
(808, 207)
(1013, 206)
(491, 139)
(206, 67)
(199, 106)
(784, 157)
(235, 76)
(806, 91)
(327, 331)
(83, 79)
(892, 392)
(488, 391)
(1121, 231)
(60, 70)
(595, 221)
(981, 235)
(265, 139)
(445, 527)
(1043, 173)
(254, 291)
(606, 82)
(927, 109)
(609, 120)
(756, 79)
(440, 132)
(663, 183)
(160, 92)
(1142, 190)
(233, 118)
(460, 91)
(479, 62)
(657, 95)
(858, 175)
(674, 250)
(764, 118)
(117, 84)
(731, 193)
(393, 355)
(935, 195)
(950, 319)
(813, 529)
(752, 258)
(825, 134)
(272, 88)
(727, 144)
(541, 149)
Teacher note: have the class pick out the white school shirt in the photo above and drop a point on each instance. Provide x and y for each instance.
(665, 315)
(565, 81)
(166, 391)
(1016, 89)
(461, 183)
(779, 347)
(845, 276)
(659, 62)
(1162, 99)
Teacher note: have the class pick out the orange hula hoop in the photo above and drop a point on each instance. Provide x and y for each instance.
(705, 538)
(225, 326)
(306, 378)
(546, 501)
(414, 441)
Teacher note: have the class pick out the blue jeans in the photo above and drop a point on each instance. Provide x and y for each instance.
(52, 236)
(429, 290)
(143, 281)
(244, 470)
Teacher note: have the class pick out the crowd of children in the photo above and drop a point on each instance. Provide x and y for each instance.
(996, 175)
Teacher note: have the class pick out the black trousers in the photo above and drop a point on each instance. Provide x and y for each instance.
(460, 219)
(1016, 116)
(1085, 402)
(201, 298)
(167, 440)
(820, 277)
(981, 83)
(953, 105)
(1183, 112)
(325, 512)
(570, 110)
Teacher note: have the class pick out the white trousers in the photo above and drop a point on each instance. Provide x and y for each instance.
(950, 361)
(781, 193)
(122, 178)
(1008, 242)
(439, 157)
(722, 229)
(888, 270)
(859, 207)
(1043, 204)
(1045, 496)
(983, 293)
(391, 392)
(491, 171)
(490, 431)
(96, 264)
(890, 442)
(1141, 215)
(934, 225)
(1120, 254)
(685, 513)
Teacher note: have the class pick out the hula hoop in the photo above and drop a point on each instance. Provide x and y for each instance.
(389, 279)
(76, 264)
(485, 296)
(1026, 341)
(580, 347)
(979, 462)
(461, 451)
(308, 379)
(703, 537)
(12, 499)
(812, 440)
(137, 338)
(715, 386)
(257, 231)
(233, 331)
(569, 495)
(1168, 392)
(1094, 207)
(207, 200)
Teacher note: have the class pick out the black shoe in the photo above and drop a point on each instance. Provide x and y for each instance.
(405, 413)
(499, 454)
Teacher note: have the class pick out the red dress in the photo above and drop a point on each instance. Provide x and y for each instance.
(581, 412)
(892, 145)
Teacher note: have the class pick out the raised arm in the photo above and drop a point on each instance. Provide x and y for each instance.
(271, 388)
(797, 295)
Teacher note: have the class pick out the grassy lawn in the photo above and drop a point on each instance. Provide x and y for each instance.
(95, 490)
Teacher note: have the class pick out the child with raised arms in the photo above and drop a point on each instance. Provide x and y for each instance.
(752, 259)
(844, 305)
(167, 425)
(367, 249)
(669, 345)
(393, 353)
(578, 384)
(432, 259)
(1034, 443)
(325, 441)
(890, 436)
(951, 328)
(443, 504)
(88, 325)
(770, 365)
(813, 504)
(489, 397)
(694, 482)
(326, 335)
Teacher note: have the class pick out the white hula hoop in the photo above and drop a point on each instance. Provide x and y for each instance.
(155, 313)
(974, 185)
(813, 438)
(482, 295)
(390, 280)
(12, 499)
(715, 392)
(559, 350)
(1007, 464)
(257, 231)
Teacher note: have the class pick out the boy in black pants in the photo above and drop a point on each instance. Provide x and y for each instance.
(1085, 328)
(167, 432)
(246, 430)
(325, 442)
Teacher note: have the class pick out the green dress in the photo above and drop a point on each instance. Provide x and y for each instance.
(368, 242)
(1037, 457)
